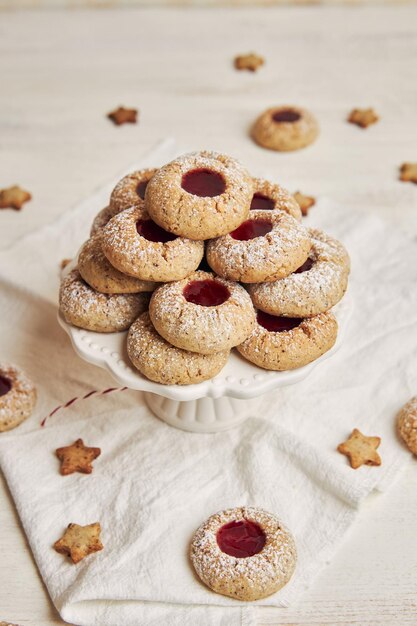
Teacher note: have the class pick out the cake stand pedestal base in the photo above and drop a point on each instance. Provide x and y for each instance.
(205, 415)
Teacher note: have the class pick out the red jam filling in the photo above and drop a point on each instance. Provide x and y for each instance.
(153, 232)
(5, 385)
(206, 292)
(251, 229)
(275, 324)
(259, 201)
(286, 115)
(241, 539)
(204, 183)
(141, 188)
(305, 266)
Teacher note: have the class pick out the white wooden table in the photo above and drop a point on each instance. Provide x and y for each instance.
(61, 72)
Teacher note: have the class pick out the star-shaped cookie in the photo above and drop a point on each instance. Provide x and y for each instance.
(79, 541)
(363, 117)
(14, 198)
(360, 449)
(77, 458)
(408, 172)
(305, 202)
(249, 62)
(123, 116)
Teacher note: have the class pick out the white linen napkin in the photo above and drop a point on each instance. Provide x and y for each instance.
(153, 485)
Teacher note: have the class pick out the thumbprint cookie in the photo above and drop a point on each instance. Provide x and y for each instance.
(245, 553)
(104, 313)
(163, 363)
(267, 246)
(285, 128)
(268, 196)
(135, 245)
(100, 274)
(100, 220)
(17, 397)
(202, 313)
(130, 191)
(200, 195)
(316, 286)
(286, 343)
(407, 424)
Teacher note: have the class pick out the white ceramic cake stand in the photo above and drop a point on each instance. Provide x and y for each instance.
(211, 406)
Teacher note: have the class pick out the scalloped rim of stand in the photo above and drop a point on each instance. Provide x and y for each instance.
(238, 379)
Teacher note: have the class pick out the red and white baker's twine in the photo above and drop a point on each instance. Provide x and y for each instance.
(90, 394)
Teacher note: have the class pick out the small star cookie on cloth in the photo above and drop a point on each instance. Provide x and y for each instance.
(408, 172)
(77, 458)
(249, 62)
(14, 198)
(305, 202)
(363, 117)
(123, 116)
(79, 541)
(360, 449)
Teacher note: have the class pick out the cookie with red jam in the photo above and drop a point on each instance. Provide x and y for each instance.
(285, 128)
(245, 553)
(269, 196)
(200, 195)
(286, 343)
(130, 191)
(202, 313)
(17, 396)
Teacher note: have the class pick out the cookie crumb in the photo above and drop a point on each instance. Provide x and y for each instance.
(363, 117)
(123, 116)
(360, 449)
(14, 197)
(77, 458)
(408, 173)
(63, 265)
(305, 202)
(250, 62)
(79, 541)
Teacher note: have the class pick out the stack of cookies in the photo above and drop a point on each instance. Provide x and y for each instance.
(198, 257)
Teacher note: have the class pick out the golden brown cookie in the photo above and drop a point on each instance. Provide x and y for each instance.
(285, 128)
(100, 220)
(17, 396)
(286, 343)
(135, 245)
(408, 172)
(407, 424)
(245, 553)
(363, 117)
(313, 288)
(121, 115)
(200, 195)
(250, 62)
(267, 246)
(304, 202)
(163, 363)
(99, 273)
(79, 541)
(360, 449)
(202, 313)
(103, 313)
(130, 191)
(14, 198)
(77, 458)
(269, 196)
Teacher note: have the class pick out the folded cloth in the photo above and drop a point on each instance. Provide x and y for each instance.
(153, 485)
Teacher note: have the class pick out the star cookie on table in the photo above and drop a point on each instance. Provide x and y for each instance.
(77, 458)
(360, 449)
(408, 172)
(79, 541)
(305, 202)
(363, 117)
(123, 116)
(14, 198)
(249, 62)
